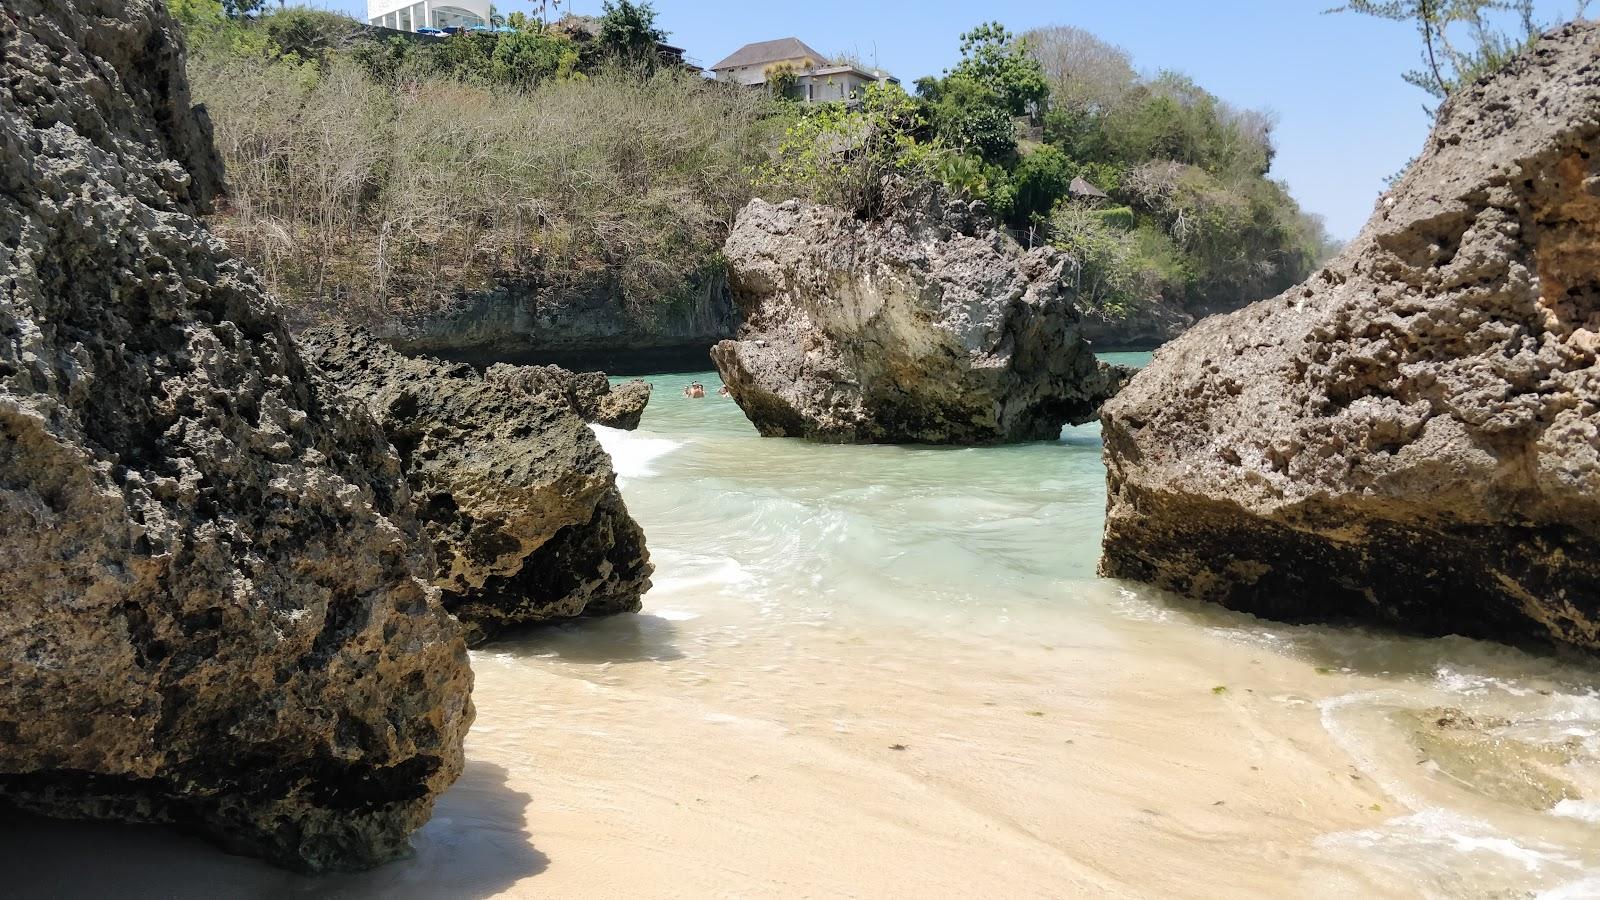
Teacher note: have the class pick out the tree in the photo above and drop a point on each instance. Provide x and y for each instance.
(1446, 65)
(238, 9)
(1086, 74)
(783, 82)
(527, 57)
(1039, 182)
(999, 61)
(628, 31)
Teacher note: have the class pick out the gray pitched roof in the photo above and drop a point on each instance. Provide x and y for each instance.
(1082, 188)
(763, 52)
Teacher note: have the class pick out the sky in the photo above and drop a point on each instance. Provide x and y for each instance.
(1345, 120)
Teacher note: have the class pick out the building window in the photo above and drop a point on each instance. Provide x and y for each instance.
(455, 17)
(405, 19)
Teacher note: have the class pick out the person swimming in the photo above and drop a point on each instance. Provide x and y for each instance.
(695, 390)
(723, 391)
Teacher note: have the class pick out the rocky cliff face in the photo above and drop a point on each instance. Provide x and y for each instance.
(1413, 435)
(932, 327)
(211, 612)
(516, 494)
(1149, 324)
(586, 324)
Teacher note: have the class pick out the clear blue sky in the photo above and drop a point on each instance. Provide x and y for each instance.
(1345, 119)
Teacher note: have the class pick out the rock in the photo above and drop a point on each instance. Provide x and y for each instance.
(590, 395)
(1150, 323)
(929, 327)
(1412, 436)
(578, 321)
(515, 493)
(212, 613)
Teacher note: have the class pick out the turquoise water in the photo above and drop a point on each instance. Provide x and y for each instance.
(956, 531)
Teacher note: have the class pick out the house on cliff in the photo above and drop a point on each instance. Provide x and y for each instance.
(817, 79)
(412, 15)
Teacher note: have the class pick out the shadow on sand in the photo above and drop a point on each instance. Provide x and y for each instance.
(1373, 650)
(476, 845)
(616, 639)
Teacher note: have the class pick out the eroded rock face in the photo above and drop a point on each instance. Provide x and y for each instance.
(932, 327)
(516, 495)
(590, 395)
(208, 560)
(1412, 436)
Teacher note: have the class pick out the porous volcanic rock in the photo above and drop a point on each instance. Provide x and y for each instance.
(212, 613)
(1412, 436)
(590, 395)
(516, 495)
(930, 326)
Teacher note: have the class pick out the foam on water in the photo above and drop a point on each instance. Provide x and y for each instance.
(1446, 853)
(1581, 810)
(632, 454)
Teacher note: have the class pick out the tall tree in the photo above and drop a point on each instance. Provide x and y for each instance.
(628, 31)
(999, 61)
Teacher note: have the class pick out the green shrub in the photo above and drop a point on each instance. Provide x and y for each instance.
(853, 156)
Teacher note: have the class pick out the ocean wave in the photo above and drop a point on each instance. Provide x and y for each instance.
(632, 453)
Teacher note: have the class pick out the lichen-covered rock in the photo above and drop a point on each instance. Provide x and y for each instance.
(590, 395)
(1413, 435)
(927, 327)
(515, 493)
(210, 611)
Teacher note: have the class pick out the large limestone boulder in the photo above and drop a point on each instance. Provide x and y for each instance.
(1413, 435)
(928, 327)
(210, 611)
(516, 495)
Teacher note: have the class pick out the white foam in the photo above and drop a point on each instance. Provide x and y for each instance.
(631, 453)
(1582, 889)
(1582, 810)
(1421, 836)
(674, 615)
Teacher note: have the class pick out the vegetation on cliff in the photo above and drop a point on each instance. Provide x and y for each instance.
(1155, 187)
(370, 179)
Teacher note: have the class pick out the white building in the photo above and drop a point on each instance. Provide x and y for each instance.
(410, 15)
(816, 80)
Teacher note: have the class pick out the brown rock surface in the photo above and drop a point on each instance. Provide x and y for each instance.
(929, 327)
(590, 395)
(1412, 436)
(516, 495)
(211, 612)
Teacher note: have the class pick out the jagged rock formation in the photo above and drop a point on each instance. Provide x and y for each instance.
(590, 395)
(516, 495)
(929, 327)
(1413, 435)
(208, 560)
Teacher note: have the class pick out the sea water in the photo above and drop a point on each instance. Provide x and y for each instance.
(892, 671)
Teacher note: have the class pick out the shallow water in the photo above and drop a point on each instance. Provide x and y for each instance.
(874, 671)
